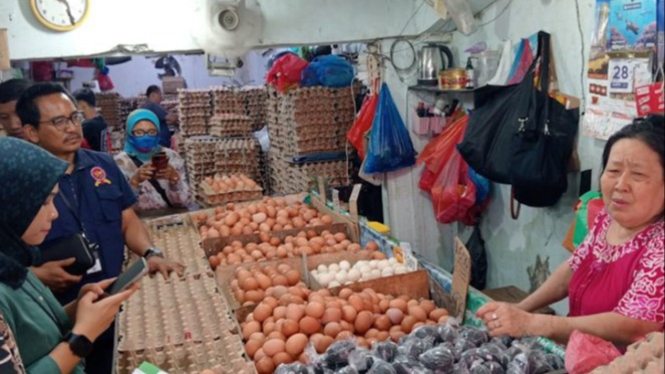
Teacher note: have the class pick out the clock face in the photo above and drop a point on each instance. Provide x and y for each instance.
(61, 15)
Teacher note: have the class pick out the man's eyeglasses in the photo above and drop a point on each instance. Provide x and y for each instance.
(61, 122)
(139, 132)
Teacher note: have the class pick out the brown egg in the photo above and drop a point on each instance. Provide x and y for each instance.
(254, 296)
(252, 346)
(324, 343)
(356, 302)
(399, 304)
(259, 354)
(363, 343)
(250, 328)
(372, 246)
(282, 358)
(349, 313)
(293, 277)
(344, 335)
(315, 309)
(411, 303)
(295, 312)
(443, 319)
(262, 312)
(280, 280)
(331, 315)
(345, 293)
(382, 323)
(395, 336)
(263, 280)
(326, 219)
(258, 336)
(290, 327)
(309, 325)
(275, 242)
(332, 329)
(279, 312)
(346, 326)
(363, 322)
(396, 316)
(296, 344)
(334, 304)
(339, 237)
(407, 324)
(418, 313)
(276, 335)
(436, 314)
(265, 366)
(371, 333)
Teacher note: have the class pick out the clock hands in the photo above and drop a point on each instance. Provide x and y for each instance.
(69, 11)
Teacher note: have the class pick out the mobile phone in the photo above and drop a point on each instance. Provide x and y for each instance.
(160, 161)
(132, 275)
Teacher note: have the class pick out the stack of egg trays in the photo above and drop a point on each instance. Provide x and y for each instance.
(225, 100)
(194, 109)
(180, 325)
(128, 105)
(109, 108)
(287, 178)
(200, 159)
(179, 240)
(239, 156)
(254, 100)
(229, 125)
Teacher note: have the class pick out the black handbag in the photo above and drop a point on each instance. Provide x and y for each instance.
(519, 135)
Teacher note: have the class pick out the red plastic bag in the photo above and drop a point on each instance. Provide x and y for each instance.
(363, 124)
(586, 352)
(105, 82)
(523, 64)
(439, 151)
(286, 72)
(453, 193)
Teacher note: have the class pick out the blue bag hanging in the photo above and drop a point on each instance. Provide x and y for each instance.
(390, 146)
(482, 186)
(328, 71)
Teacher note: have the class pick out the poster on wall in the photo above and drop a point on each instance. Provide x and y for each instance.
(621, 57)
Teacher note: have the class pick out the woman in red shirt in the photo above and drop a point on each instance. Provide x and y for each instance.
(615, 278)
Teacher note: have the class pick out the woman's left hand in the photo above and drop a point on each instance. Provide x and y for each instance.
(503, 319)
(169, 173)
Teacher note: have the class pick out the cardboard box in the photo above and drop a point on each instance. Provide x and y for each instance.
(170, 85)
(4, 51)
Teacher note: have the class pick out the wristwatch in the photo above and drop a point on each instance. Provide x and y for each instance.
(153, 251)
(79, 344)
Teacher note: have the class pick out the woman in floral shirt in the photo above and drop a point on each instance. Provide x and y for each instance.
(165, 188)
(615, 279)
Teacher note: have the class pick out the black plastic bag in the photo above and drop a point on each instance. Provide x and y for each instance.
(382, 367)
(361, 359)
(296, 368)
(478, 254)
(439, 358)
(337, 355)
(387, 351)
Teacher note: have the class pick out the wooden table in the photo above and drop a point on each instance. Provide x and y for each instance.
(512, 294)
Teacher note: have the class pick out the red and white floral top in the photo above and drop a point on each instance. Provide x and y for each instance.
(628, 279)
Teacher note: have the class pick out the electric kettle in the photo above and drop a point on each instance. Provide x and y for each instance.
(433, 58)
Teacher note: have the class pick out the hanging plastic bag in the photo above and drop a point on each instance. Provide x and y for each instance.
(478, 254)
(286, 72)
(522, 62)
(482, 186)
(439, 151)
(328, 71)
(453, 192)
(462, 15)
(503, 72)
(363, 124)
(390, 147)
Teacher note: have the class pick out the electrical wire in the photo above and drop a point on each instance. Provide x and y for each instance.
(498, 15)
(411, 18)
(579, 28)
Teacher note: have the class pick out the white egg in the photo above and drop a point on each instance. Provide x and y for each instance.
(360, 264)
(325, 279)
(400, 270)
(334, 284)
(387, 272)
(322, 269)
(353, 275)
(393, 261)
(373, 264)
(333, 268)
(383, 264)
(344, 265)
(365, 269)
(347, 283)
(341, 276)
(314, 273)
(376, 273)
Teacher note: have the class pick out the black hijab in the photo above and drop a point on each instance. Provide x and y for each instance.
(27, 177)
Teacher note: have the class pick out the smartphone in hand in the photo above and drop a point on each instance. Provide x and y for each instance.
(132, 275)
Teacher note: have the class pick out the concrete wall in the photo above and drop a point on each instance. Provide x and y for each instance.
(133, 77)
(512, 245)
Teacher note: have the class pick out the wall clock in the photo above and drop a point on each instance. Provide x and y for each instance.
(61, 15)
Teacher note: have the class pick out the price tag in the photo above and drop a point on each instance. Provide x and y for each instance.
(322, 190)
(409, 260)
(623, 73)
(335, 200)
(353, 201)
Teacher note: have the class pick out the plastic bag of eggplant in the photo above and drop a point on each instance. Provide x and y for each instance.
(442, 349)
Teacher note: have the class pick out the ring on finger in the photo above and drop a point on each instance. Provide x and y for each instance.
(494, 317)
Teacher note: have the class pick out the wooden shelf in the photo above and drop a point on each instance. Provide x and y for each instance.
(435, 89)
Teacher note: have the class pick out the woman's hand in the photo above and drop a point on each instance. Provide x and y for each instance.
(503, 319)
(169, 173)
(163, 266)
(97, 288)
(94, 316)
(145, 172)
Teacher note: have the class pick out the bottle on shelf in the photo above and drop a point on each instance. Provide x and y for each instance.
(470, 74)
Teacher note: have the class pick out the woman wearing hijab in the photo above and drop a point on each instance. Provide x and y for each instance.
(50, 338)
(157, 186)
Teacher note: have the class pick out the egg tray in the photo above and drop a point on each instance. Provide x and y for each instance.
(181, 243)
(211, 198)
(645, 356)
(194, 109)
(176, 311)
(229, 125)
(288, 178)
(109, 108)
(219, 356)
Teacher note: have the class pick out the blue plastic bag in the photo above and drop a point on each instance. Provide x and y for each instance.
(482, 186)
(328, 71)
(390, 147)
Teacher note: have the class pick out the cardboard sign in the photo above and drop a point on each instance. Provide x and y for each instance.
(4, 51)
(649, 99)
(322, 190)
(335, 200)
(353, 201)
(461, 279)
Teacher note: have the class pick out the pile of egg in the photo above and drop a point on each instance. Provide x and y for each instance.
(335, 275)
